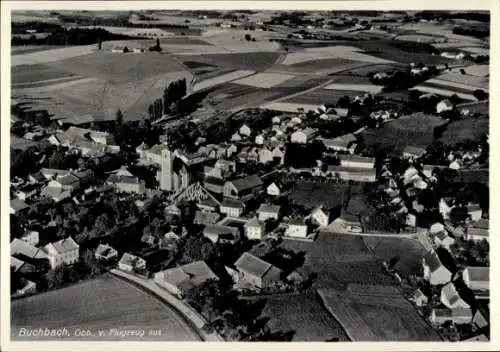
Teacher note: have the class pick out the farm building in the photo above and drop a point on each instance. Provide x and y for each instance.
(274, 189)
(57, 194)
(477, 279)
(22, 249)
(355, 161)
(254, 229)
(303, 136)
(62, 252)
(256, 272)
(181, 279)
(439, 316)
(353, 174)
(320, 216)
(243, 188)
(434, 271)
(265, 156)
(130, 262)
(345, 143)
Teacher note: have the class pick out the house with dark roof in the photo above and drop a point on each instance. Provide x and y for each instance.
(268, 211)
(256, 272)
(243, 188)
(62, 252)
(232, 207)
(181, 279)
(220, 233)
(434, 271)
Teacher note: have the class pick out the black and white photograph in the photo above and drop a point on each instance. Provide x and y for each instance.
(248, 175)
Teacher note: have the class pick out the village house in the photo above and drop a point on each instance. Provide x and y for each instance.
(278, 155)
(205, 217)
(440, 316)
(478, 280)
(57, 194)
(456, 164)
(130, 263)
(126, 184)
(303, 136)
(220, 233)
(450, 297)
(27, 192)
(296, 228)
(268, 211)
(248, 154)
(62, 252)
(474, 211)
(419, 298)
(27, 253)
(257, 272)
(434, 271)
(151, 155)
(481, 319)
(31, 237)
(413, 153)
(105, 252)
(226, 165)
(320, 216)
(183, 278)
(353, 174)
(236, 137)
(265, 156)
(259, 139)
(254, 229)
(344, 143)
(274, 189)
(67, 182)
(355, 161)
(245, 130)
(17, 206)
(243, 188)
(232, 207)
(444, 105)
(478, 231)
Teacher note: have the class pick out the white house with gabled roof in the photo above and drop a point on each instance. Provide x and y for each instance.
(62, 252)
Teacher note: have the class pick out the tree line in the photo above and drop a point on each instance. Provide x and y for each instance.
(71, 36)
(171, 95)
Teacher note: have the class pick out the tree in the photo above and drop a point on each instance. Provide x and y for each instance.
(55, 277)
(119, 117)
(103, 224)
(158, 43)
(248, 37)
(458, 214)
(480, 94)
(90, 263)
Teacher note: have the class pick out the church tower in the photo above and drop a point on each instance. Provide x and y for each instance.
(166, 171)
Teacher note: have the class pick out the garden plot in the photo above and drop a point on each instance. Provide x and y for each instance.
(320, 53)
(264, 80)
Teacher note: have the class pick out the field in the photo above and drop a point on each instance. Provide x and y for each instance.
(289, 107)
(264, 80)
(257, 61)
(409, 252)
(57, 54)
(102, 303)
(461, 130)
(25, 49)
(340, 260)
(377, 316)
(22, 75)
(322, 96)
(303, 314)
(364, 88)
(320, 53)
(421, 38)
(228, 77)
(415, 130)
